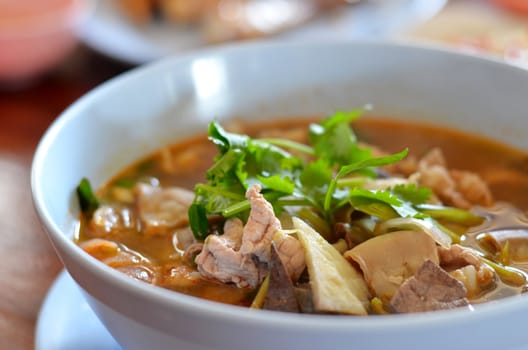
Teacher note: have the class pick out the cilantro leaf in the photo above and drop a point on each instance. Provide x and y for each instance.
(198, 221)
(334, 140)
(277, 183)
(358, 166)
(375, 203)
(316, 174)
(320, 181)
(412, 193)
(387, 197)
(225, 140)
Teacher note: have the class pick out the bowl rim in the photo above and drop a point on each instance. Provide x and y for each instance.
(235, 313)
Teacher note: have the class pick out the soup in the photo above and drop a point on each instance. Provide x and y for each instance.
(342, 216)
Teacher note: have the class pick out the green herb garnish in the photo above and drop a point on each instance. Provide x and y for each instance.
(327, 177)
(88, 201)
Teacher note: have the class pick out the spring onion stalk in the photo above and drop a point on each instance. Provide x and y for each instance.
(504, 256)
(376, 306)
(454, 215)
(244, 205)
(258, 302)
(88, 201)
(318, 223)
(292, 145)
(507, 274)
(455, 238)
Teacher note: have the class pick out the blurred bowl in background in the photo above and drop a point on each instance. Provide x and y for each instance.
(37, 35)
(515, 5)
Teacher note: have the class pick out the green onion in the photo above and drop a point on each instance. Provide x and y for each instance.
(87, 198)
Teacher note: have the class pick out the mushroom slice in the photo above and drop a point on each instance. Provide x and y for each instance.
(388, 260)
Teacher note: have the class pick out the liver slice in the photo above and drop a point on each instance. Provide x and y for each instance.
(431, 288)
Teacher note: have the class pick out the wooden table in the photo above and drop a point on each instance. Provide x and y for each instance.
(28, 263)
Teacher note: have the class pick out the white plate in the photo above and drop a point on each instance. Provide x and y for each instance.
(66, 321)
(109, 32)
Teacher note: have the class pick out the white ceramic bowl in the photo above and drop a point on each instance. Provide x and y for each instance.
(135, 114)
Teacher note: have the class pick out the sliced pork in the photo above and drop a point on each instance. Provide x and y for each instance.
(465, 265)
(241, 254)
(162, 209)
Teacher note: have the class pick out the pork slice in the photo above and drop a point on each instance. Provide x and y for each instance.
(431, 288)
(183, 238)
(162, 209)
(122, 259)
(472, 187)
(462, 189)
(438, 179)
(292, 255)
(111, 218)
(242, 253)
(465, 264)
(434, 157)
(457, 256)
(219, 260)
(260, 227)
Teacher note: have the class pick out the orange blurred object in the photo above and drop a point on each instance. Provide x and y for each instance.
(515, 5)
(36, 35)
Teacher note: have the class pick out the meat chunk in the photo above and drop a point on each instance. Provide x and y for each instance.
(403, 254)
(464, 264)
(458, 256)
(241, 254)
(292, 255)
(179, 276)
(221, 260)
(121, 258)
(461, 189)
(162, 209)
(281, 294)
(438, 179)
(108, 218)
(182, 239)
(260, 227)
(431, 288)
(472, 187)
(260, 230)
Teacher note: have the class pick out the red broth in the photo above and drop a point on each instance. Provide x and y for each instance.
(504, 169)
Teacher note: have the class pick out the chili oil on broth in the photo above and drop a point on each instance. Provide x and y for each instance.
(184, 164)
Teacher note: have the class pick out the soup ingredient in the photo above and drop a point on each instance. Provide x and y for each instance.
(280, 294)
(509, 244)
(87, 199)
(337, 287)
(287, 180)
(431, 288)
(461, 189)
(161, 209)
(120, 258)
(320, 223)
(388, 260)
(241, 254)
(465, 264)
